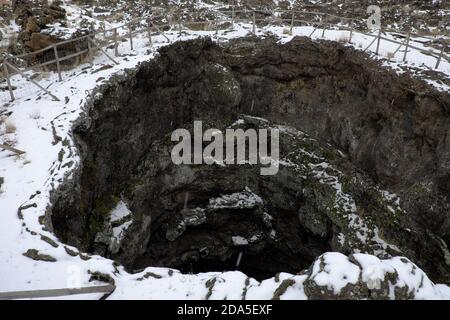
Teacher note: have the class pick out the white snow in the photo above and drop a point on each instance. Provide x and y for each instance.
(239, 241)
(239, 200)
(119, 212)
(337, 273)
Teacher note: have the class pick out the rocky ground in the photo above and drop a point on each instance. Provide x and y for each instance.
(42, 23)
(427, 16)
(35, 17)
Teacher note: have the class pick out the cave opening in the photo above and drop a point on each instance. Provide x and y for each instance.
(258, 266)
(226, 226)
(127, 200)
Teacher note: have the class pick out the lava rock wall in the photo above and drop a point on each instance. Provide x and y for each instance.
(394, 130)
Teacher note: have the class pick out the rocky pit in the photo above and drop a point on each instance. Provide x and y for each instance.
(365, 162)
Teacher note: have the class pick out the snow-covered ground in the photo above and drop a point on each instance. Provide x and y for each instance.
(43, 130)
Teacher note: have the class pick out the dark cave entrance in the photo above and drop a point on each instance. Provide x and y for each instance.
(333, 93)
(124, 141)
(260, 239)
(258, 266)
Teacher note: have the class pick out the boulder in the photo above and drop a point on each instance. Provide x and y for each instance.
(37, 256)
(34, 18)
(334, 276)
(32, 26)
(39, 41)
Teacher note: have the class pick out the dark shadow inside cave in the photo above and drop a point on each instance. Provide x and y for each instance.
(203, 224)
(259, 266)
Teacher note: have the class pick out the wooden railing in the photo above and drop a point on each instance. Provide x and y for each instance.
(51, 293)
(85, 47)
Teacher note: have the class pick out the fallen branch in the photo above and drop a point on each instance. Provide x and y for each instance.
(16, 151)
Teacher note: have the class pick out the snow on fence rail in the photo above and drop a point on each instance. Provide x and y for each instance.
(66, 54)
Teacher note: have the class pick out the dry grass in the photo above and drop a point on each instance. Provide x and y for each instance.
(287, 31)
(42, 75)
(10, 127)
(389, 55)
(13, 41)
(343, 39)
(35, 114)
(2, 121)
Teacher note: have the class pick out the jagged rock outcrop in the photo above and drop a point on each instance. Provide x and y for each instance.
(43, 24)
(34, 17)
(399, 14)
(353, 134)
(330, 276)
(334, 276)
(5, 13)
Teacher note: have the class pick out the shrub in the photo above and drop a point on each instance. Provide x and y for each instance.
(343, 39)
(389, 55)
(10, 127)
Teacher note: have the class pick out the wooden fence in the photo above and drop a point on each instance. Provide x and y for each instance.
(87, 46)
(51, 293)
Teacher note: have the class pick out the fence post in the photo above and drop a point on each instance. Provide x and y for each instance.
(378, 41)
(254, 23)
(31, 80)
(292, 22)
(8, 80)
(149, 30)
(371, 43)
(116, 44)
(58, 65)
(91, 58)
(323, 31)
(351, 34)
(232, 17)
(160, 31)
(101, 49)
(406, 47)
(396, 50)
(440, 56)
(130, 32)
(179, 29)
